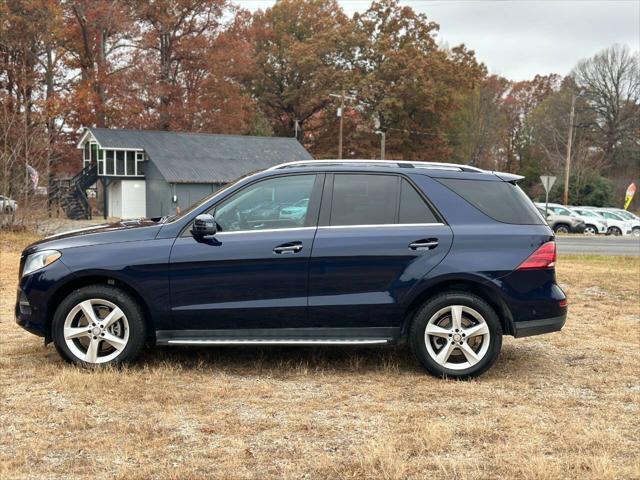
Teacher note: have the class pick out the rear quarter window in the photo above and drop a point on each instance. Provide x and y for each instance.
(502, 201)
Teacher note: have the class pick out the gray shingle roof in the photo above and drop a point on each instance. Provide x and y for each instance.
(204, 157)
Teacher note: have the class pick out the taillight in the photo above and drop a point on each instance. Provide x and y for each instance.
(543, 257)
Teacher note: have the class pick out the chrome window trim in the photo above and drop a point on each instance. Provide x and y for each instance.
(267, 230)
(326, 227)
(383, 225)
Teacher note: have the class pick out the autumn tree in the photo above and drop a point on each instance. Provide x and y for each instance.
(97, 36)
(31, 76)
(193, 64)
(302, 51)
(479, 125)
(408, 83)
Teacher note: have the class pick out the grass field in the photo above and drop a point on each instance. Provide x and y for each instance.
(564, 405)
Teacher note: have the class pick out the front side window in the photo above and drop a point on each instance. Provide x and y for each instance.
(273, 203)
(561, 211)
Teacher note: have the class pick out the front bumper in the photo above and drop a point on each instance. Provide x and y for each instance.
(34, 307)
(26, 317)
(538, 327)
(579, 228)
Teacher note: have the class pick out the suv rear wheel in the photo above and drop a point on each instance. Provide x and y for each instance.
(456, 334)
(98, 325)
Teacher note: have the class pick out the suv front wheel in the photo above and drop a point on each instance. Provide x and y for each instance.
(456, 334)
(98, 325)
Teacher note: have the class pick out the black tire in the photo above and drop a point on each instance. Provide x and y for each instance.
(133, 314)
(590, 230)
(615, 231)
(561, 228)
(429, 309)
(636, 231)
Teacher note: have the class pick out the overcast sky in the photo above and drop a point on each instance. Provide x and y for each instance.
(520, 38)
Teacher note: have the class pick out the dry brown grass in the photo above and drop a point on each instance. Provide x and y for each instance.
(563, 405)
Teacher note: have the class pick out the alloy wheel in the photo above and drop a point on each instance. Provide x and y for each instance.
(590, 230)
(96, 331)
(457, 337)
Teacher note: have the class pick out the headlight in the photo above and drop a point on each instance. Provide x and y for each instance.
(39, 260)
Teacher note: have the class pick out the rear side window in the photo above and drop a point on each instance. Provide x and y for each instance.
(413, 208)
(363, 199)
(502, 201)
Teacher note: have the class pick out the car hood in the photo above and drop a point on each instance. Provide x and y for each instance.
(123, 231)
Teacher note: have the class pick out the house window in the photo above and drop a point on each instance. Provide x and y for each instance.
(131, 163)
(121, 163)
(86, 158)
(139, 163)
(110, 163)
(120, 154)
(94, 152)
(101, 154)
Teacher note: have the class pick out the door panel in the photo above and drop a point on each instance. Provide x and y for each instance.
(253, 273)
(359, 275)
(236, 280)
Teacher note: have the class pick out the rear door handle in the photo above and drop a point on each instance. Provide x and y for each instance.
(424, 244)
(288, 248)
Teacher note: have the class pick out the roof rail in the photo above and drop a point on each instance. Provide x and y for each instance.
(386, 163)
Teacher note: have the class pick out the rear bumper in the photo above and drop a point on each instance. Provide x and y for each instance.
(538, 327)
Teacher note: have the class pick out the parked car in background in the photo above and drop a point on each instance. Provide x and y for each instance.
(617, 224)
(561, 219)
(629, 217)
(594, 223)
(447, 258)
(295, 211)
(7, 205)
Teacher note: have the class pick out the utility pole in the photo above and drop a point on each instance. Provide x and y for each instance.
(342, 97)
(383, 138)
(296, 128)
(569, 142)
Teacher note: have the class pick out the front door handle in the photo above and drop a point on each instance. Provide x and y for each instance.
(287, 248)
(424, 244)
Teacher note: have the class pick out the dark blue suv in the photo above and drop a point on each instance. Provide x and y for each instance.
(447, 257)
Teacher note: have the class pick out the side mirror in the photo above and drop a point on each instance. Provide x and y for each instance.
(204, 226)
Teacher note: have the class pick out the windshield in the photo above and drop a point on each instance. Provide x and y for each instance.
(626, 215)
(587, 213)
(611, 216)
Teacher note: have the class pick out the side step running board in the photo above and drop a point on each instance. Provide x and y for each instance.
(273, 341)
